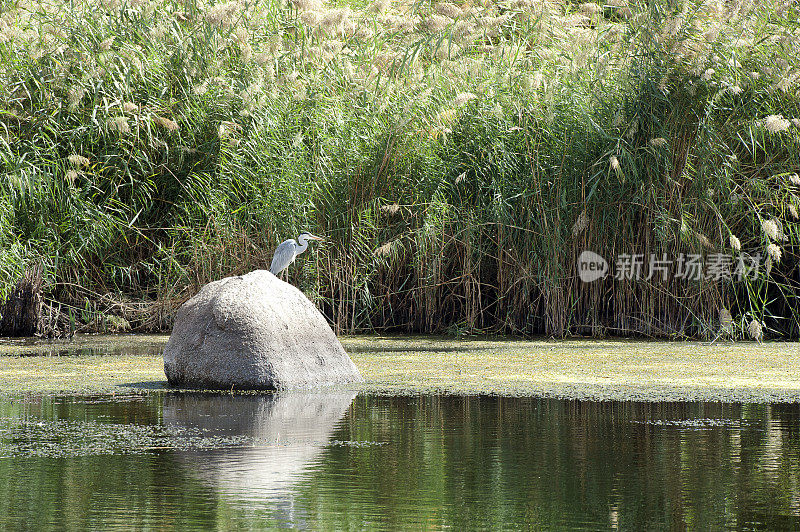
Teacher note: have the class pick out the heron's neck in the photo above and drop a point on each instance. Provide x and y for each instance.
(303, 245)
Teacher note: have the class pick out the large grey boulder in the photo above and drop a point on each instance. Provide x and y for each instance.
(254, 332)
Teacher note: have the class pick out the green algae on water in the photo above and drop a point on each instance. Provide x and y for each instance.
(393, 365)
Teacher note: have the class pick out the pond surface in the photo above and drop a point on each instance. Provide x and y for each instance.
(341, 461)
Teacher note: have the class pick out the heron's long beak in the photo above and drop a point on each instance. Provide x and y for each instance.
(314, 237)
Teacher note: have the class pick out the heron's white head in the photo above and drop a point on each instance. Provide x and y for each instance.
(309, 236)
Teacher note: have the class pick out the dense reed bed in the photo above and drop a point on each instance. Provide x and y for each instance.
(458, 157)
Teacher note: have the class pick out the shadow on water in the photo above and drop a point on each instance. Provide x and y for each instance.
(413, 348)
(146, 385)
(84, 345)
(287, 431)
(88, 351)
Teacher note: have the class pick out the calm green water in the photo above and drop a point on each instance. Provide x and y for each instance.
(179, 461)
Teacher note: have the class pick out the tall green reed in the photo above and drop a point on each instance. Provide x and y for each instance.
(457, 158)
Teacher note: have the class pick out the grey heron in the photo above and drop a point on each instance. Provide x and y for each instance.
(288, 250)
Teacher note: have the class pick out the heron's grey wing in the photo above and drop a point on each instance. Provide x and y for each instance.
(284, 256)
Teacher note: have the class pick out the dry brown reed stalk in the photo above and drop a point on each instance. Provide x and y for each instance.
(220, 251)
(498, 253)
(20, 313)
(54, 323)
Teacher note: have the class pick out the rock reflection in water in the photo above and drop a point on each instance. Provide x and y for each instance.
(288, 431)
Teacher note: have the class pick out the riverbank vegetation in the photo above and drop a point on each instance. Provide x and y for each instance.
(458, 157)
